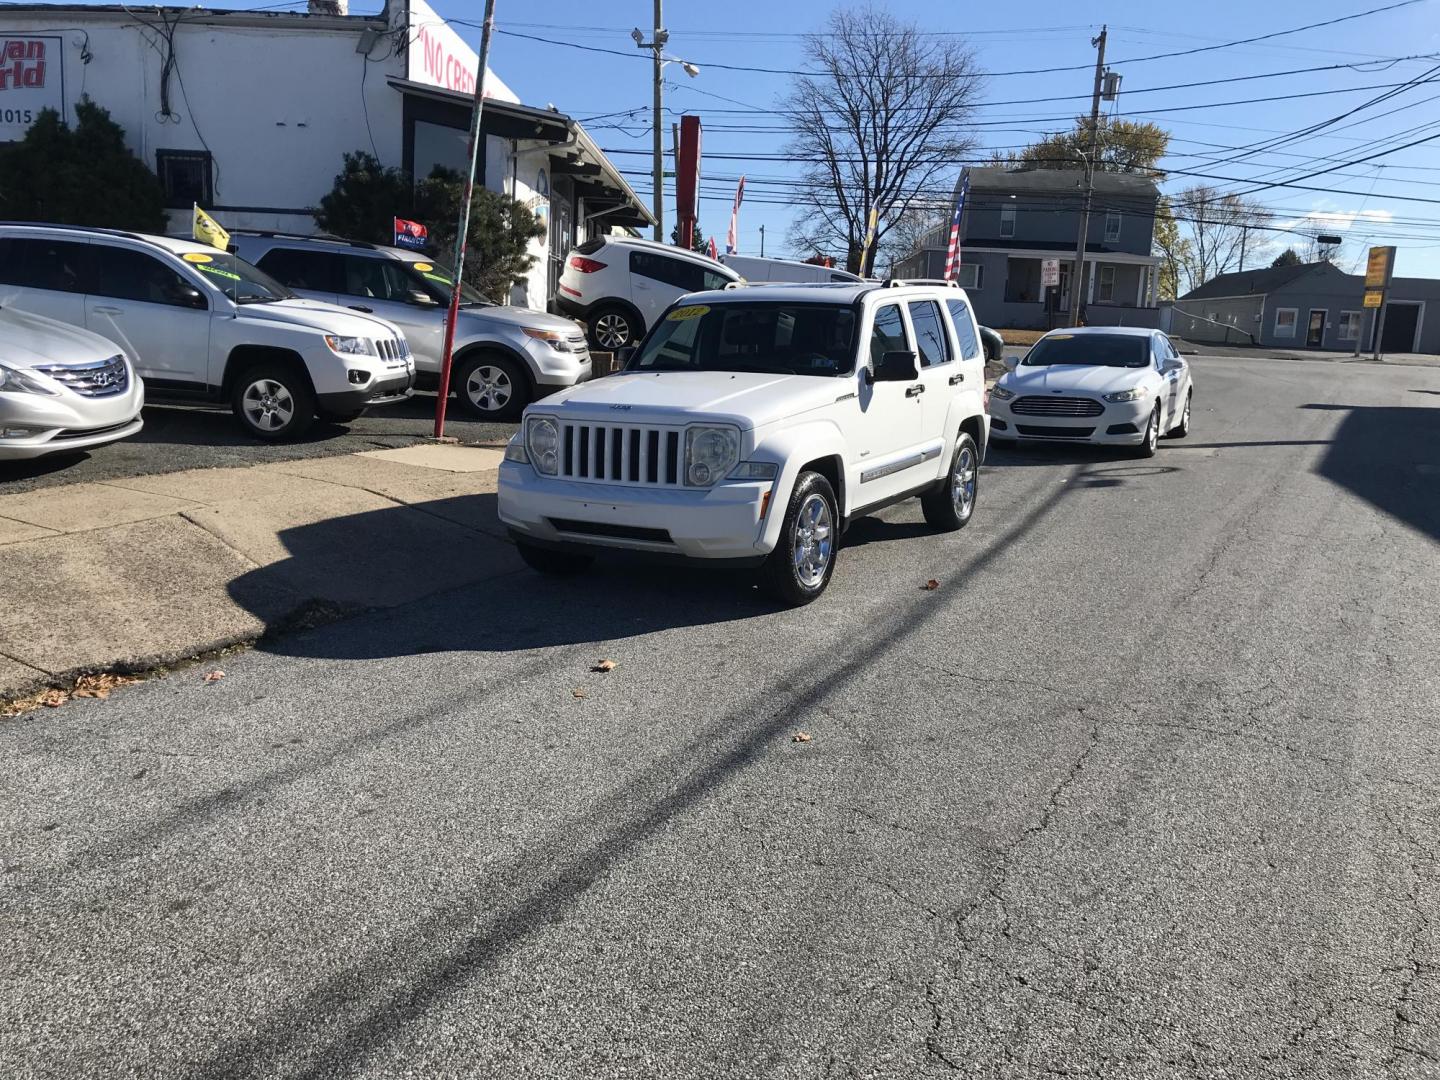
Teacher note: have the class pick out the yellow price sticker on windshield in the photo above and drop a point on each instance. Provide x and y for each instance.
(424, 268)
(197, 257)
(694, 311)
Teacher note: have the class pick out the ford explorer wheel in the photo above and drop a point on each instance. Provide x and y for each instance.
(492, 387)
(801, 565)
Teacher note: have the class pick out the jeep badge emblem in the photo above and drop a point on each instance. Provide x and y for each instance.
(620, 406)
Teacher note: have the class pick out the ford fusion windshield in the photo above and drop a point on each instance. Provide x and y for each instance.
(787, 339)
(1090, 350)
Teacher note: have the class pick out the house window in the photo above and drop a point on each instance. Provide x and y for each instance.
(1105, 285)
(1350, 325)
(186, 176)
(1112, 226)
(969, 276)
(1285, 319)
(1007, 221)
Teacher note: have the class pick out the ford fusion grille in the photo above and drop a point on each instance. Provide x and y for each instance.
(1057, 406)
(620, 454)
(101, 379)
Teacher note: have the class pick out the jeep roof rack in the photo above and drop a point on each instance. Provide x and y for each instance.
(76, 228)
(895, 283)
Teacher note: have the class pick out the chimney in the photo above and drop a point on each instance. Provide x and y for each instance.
(329, 7)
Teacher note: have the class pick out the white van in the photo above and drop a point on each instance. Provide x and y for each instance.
(756, 268)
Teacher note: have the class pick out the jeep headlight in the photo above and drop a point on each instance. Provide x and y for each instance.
(19, 382)
(710, 453)
(542, 440)
(349, 346)
(1133, 394)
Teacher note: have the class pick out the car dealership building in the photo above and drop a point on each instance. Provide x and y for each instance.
(249, 113)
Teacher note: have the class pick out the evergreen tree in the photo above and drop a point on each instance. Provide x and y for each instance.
(1285, 258)
(698, 242)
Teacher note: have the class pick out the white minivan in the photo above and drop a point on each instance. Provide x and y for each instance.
(757, 268)
(618, 285)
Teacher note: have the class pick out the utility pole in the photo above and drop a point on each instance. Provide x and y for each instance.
(1244, 235)
(659, 42)
(1077, 278)
(762, 241)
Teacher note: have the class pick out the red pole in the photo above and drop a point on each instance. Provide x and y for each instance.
(443, 396)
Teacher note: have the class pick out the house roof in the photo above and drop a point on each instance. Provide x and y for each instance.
(1251, 282)
(1057, 182)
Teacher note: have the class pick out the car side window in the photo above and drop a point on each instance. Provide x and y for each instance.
(316, 271)
(375, 279)
(930, 337)
(970, 347)
(712, 280)
(134, 275)
(39, 263)
(888, 333)
(676, 272)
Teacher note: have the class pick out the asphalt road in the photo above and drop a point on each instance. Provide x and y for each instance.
(1148, 787)
(179, 437)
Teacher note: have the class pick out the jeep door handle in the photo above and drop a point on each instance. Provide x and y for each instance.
(959, 378)
(107, 310)
(915, 391)
(362, 307)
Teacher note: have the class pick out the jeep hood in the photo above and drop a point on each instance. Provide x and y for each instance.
(318, 315)
(745, 398)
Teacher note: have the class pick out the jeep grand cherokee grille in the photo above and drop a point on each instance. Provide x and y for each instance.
(620, 454)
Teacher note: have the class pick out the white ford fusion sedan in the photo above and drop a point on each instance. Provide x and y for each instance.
(1116, 386)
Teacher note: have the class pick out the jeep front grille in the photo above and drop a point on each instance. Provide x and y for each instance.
(620, 454)
(103, 378)
(393, 351)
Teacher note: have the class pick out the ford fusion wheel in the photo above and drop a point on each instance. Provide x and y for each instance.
(1180, 430)
(1152, 435)
(800, 567)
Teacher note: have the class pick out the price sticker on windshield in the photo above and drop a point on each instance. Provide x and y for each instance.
(694, 311)
(218, 272)
(197, 257)
(424, 268)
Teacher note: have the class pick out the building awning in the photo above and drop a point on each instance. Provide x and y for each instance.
(575, 153)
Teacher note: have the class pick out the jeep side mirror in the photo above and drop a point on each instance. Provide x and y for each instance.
(1011, 363)
(993, 343)
(183, 294)
(895, 367)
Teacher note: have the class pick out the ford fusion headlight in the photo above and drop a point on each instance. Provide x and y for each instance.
(349, 346)
(19, 382)
(710, 453)
(542, 440)
(999, 392)
(1134, 394)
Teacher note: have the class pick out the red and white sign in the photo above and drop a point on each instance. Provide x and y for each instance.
(31, 79)
(438, 56)
(1049, 273)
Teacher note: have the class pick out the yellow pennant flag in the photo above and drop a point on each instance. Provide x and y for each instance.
(208, 231)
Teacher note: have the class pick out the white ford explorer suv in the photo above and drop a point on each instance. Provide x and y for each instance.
(202, 325)
(751, 425)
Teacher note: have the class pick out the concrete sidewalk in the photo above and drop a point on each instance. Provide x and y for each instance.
(139, 572)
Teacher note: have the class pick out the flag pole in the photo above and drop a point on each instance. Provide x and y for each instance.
(443, 396)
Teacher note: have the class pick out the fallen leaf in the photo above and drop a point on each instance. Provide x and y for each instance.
(603, 665)
(53, 698)
(214, 676)
(800, 736)
(579, 693)
(99, 686)
(931, 585)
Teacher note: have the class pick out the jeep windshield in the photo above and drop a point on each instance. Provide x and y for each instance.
(236, 278)
(783, 338)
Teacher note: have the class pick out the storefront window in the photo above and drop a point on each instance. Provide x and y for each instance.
(438, 145)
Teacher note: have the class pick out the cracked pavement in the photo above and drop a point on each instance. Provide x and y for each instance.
(1149, 787)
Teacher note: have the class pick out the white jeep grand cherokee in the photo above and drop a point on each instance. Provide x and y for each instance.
(751, 425)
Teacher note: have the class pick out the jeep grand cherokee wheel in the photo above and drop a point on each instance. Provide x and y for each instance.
(800, 567)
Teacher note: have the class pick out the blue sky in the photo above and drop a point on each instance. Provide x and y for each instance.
(1362, 202)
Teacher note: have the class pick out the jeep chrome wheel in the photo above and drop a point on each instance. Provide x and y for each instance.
(950, 504)
(814, 540)
(962, 481)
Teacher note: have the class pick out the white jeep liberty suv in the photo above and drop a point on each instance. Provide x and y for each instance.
(751, 425)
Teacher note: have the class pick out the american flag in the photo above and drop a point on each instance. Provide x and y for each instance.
(730, 238)
(952, 253)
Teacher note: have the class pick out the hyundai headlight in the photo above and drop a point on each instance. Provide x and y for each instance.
(350, 346)
(1134, 394)
(999, 392)
(20, 382)
(710, 454)
(542, 440)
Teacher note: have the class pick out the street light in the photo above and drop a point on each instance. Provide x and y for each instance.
(657, 46)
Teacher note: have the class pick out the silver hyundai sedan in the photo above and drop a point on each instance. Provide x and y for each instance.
(62, 388)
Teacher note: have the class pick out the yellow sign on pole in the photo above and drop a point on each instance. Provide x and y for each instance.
(1373, 298)
(1378, 268)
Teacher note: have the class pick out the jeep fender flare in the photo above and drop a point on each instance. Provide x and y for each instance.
(962, 415)
(794, 448)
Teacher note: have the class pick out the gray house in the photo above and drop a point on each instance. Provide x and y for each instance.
(1015, 219)
(1309, 306)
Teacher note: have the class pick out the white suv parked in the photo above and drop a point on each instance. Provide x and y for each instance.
(201, 324)
(752, 425)
(618, 286)
(504, 357)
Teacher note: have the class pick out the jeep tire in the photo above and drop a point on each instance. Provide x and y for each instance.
(803, 561)
(273, 401)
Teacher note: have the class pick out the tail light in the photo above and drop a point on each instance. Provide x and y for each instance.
(584, 265)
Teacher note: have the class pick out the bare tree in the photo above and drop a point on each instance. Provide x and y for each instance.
(882, 124)
(1216, 228)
